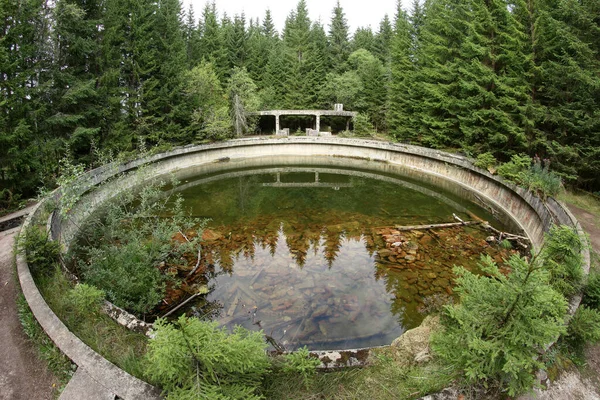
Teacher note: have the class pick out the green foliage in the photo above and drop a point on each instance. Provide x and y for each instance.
(541, 181)
(495, 333)
(362, 125)
(591, 293)
(127, 242)
(70, 185)
(532, 175)
(485, 161)
(585, 325)
(243, 99)
(42, 253)
(196, 359)
(515, 168)
(57, 362)
(86, 298)
(561, 256)
(116, 343)
(302, 363)
(205, 99)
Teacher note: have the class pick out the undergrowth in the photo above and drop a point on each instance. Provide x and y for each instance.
(384, 380)
(59, 364)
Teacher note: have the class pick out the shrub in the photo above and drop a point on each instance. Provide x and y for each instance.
(515, 168)
(86, 298)
(129, 239)
(534, 175)
(561, 256)
(42, 253)
(585, 325)
(302, 363)
(591, 295)
(494, 335)
(196, 359)
(362, 125)
(485, 161)
(540, 180)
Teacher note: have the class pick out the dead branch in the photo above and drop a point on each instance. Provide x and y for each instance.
(197, 263)
(181, 305)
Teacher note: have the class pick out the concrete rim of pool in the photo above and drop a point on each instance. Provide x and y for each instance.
(527, 211)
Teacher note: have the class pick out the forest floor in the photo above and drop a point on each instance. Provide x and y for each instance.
(22, 374)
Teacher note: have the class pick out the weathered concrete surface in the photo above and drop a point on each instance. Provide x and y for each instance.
(83, 386)
(22, 375)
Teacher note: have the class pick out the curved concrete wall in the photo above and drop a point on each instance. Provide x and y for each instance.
(454, 173)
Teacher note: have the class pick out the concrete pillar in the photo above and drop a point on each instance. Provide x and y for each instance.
(276, 123)
(317, 174)
(347, 124)
(279, 177)
(318, 123)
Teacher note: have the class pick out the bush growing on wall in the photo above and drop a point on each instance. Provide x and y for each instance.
(127, 242)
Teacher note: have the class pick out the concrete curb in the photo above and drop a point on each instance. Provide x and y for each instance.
(527, 211)
(108, 376)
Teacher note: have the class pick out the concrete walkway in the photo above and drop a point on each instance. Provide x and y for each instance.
(22, 375)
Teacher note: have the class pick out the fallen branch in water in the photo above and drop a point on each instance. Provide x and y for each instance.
(436, 226)
(181, 305)
(197, 263)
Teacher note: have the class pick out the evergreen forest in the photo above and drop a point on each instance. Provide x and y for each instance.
(89, 78)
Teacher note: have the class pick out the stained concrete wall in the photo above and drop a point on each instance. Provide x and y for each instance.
(454, 173)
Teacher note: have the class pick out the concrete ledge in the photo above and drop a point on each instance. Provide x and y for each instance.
(451, 171)
(108, 376)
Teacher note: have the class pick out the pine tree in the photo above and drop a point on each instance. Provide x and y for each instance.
(567, 88)
(402, 123)
(363, 39)
(76, 118)
(339, 43)
(502, 323)
(212, 44)
(383, 40)
(296, 48)
(491, 81)
(27, 151)
(372, 95)
(162, 89)
(443, 32)
(236, 40)
(192, 38)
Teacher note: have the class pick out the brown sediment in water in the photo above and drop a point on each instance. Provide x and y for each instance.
(293, 303)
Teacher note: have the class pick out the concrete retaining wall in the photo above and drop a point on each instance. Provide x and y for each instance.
(452, 172)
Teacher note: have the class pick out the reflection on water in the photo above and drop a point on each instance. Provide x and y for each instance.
(314, 258)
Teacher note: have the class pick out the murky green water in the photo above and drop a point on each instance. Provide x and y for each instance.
(311, 254)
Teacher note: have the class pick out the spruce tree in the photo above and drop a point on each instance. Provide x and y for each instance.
(401, 121)
(212, 43)
(27, 151)
(363, 39)
(76, 117)
(192, 38)
(339, 43)
(383, 40)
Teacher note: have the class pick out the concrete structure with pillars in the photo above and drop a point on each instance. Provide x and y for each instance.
(317, 113)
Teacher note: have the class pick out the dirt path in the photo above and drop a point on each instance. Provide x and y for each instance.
(22, 375)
